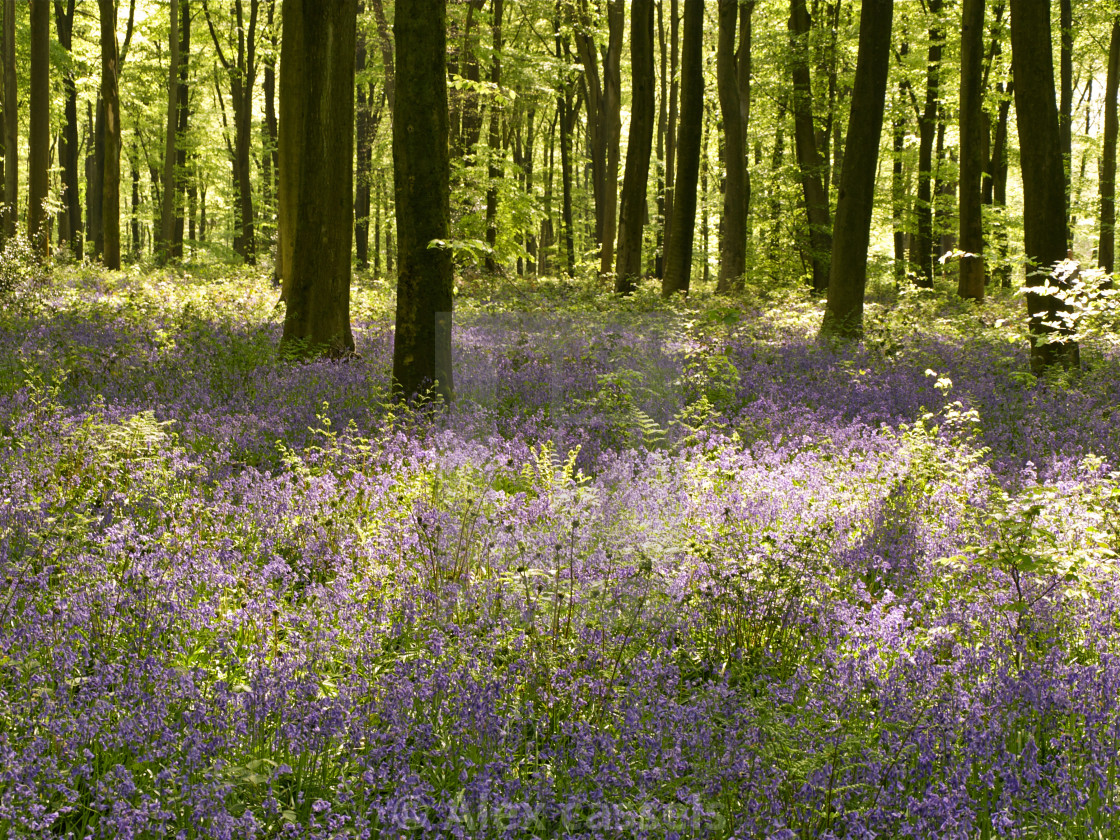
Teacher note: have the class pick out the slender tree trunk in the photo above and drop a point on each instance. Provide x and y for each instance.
(671, 127)
(809, 159)
(662, 124)
(847, 280)
(494, 141)
(1065, 105)
(736, 194)
(11, 122)
(921, 250)
(182, 122)
(678, 259)
(316, 173)
(1044, 188)
(70, 218)
(170, 151)
(1106, 253)
(636, 177)
(422, 169)
(971, 283)
(111, 170)
(567, 118)
(39, 141)
(361, 177)
(898, 180)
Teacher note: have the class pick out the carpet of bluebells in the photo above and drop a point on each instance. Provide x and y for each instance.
(661, 571)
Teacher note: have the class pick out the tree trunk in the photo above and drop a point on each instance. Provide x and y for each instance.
(736, 193)
(70, 218)
(39, 124)
(1044, 189)
(809, 159)
(921, 250)
(422, 173)
(170, 151)
(242, 71)
(898, 180)
(671, 127)
(636, 177)
(843, 317)
(494, 140)
(316, 173)
(1106, 254)
(678, 259)
(183, 112)
(111, 170)
(1065, 105)
(11, 122)
(567, 117)
(971, 282)
(364, 136)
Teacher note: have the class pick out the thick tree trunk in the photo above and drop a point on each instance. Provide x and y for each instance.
(39, 124)
(847, 280)
(11, 122)
(111, 170)
(678, 259)
(671, 127)
(809, 159)
(316, 173)
(1044, 188)
(636, 177)
(422, 173)
(971, 282)
(1106, 253)
(170, 151)
(921, 250)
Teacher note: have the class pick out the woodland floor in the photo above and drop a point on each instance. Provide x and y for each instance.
(661, 571)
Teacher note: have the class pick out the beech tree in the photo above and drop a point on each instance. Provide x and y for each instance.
(70, 217)
(1044, 183)
(111, 167)
(847, 279)
(733, 83)
(422, 174)
(810, 161)
(678, 251)
(167, 215)
(316, 173)
(638, 150)
(1106, 255)
(38, 140)
(11, 121)
(971, 283)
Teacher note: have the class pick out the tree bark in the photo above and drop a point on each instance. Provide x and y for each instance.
(316, 173)
(494, 139)
(422, 173)
(971, 281)
(183, 113)
(362, 163)
(39, 124)
(638, 150)
(242, 71)
(167, 214)
(11, 122)
(678, 259)
(70, 219)
(809, 159)
(111, 169)
(736, 193)
(921, 249)
(1106, 252)
(843, 317)
(1065, 103)
(1044, 189)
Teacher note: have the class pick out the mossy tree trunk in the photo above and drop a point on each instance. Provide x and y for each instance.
(421, 166)
(316, 134)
